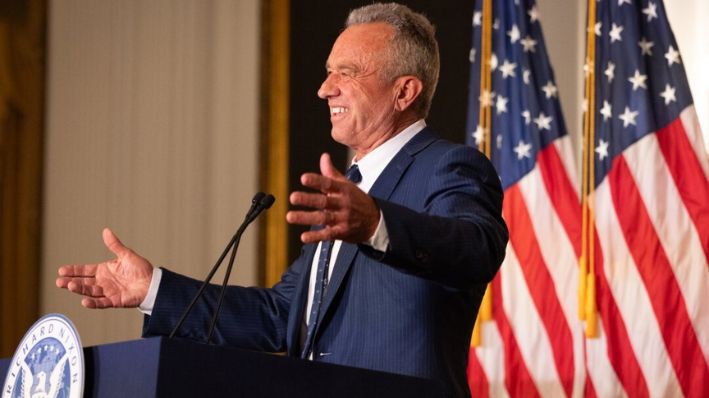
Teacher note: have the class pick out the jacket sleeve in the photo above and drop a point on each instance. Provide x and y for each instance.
(455, 235)
(250, 317)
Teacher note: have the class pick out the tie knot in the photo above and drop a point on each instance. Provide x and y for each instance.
(353, 174)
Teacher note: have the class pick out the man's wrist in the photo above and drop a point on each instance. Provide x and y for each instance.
(380, 239)
(146, 307)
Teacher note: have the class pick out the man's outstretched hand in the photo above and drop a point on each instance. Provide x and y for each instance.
(121, 282)
(344, 211)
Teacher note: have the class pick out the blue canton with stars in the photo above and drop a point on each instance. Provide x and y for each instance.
(640, 81)
(526, 115)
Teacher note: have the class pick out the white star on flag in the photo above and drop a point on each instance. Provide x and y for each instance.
(525, 76)
(533, 14)
(638, 80)
(513, 34)
(501, 104)
(471, 56)
(645, 46)
(650, 11)
(668, 94)
(606, 110)
(527, 116)
(628, 117)
(477, 18)
(621, 2)
(602, 149)
(522, 150)
(479, 135)
(550, 89)
(543, 122)
(508, 69)
(528, 44)
(597, 28)
(610, 71)
(493, 62)
(615, 33)
(672, 56)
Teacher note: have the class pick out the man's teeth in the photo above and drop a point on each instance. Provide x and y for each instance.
(338, 109)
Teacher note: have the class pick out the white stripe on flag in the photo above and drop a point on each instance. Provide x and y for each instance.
(675, 230)
(630, 295)
(491, 356)
(694, 134)
(527, 328)
(560, 259)
(600, 370)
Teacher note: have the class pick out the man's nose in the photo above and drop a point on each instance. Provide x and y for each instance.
(328, 88)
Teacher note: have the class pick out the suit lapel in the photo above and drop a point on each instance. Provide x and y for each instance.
(390, 177)
(382, 188)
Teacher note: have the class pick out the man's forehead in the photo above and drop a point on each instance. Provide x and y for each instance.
(358, 43)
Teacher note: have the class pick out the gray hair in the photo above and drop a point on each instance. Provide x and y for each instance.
(414, 49)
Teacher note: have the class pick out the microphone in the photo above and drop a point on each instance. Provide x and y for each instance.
(259, 203)
(264, 203)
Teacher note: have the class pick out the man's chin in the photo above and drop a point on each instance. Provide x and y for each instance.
(339, 136)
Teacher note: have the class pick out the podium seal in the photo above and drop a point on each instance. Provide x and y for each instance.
(49, 362)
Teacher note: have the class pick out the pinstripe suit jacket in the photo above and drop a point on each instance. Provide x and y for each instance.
(410, 310)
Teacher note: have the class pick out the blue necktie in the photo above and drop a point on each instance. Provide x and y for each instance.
(321, 278)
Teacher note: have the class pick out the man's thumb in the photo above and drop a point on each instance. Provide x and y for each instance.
(328, 169)
(113, 243)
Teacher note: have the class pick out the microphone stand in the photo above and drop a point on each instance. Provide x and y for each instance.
(260, 202)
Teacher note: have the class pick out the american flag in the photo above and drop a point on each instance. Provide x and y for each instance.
(650, 212)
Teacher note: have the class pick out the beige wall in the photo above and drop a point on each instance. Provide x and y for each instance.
(152, 131)
(688, 19)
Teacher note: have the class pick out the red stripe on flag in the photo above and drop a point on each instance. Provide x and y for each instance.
(653, 265)
(562, 194)
(540, 282)
(517, 378)
(689, 178)
(477, 381)
(620, 351)
(589, 391)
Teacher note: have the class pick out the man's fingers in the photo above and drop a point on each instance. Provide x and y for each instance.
(85, 287)
(317, 236)
(113, 243)
(306, 199)
(88, 270)
(100, 303)
(309, 217)
(319, 182)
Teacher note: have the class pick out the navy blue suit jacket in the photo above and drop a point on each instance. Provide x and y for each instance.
(409, 310)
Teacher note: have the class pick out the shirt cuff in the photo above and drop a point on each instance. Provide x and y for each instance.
(380, 240)
(146, 307)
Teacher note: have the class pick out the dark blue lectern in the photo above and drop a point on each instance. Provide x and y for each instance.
(159, 367)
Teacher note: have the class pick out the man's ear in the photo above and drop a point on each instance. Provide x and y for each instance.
(408, 88)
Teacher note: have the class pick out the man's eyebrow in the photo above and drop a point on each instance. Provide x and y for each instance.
(346, 66)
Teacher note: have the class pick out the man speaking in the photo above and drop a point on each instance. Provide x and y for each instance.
(392, 273)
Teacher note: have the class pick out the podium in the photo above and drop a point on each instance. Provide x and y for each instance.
(160, 367)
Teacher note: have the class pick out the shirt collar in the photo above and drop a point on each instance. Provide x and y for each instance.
(373, 163)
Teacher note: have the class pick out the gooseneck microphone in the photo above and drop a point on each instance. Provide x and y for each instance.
(259, 203)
